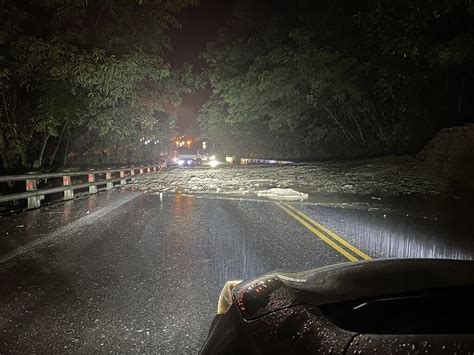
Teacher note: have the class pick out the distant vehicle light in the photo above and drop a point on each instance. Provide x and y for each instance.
(180, 162)
(189, 162)
(213, 163)
(212, 157)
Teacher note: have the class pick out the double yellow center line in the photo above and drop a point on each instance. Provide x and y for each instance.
(338, 243)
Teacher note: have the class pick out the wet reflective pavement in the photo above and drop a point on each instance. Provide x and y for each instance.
(125, 271)
(412, 227)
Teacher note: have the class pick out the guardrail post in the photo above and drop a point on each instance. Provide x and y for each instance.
(37, 193)
(33, 202)
(68, 194)
(110, 184)
(91, 179)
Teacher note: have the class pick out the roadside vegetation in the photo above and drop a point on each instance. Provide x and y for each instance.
(339, 79)
(85, 80)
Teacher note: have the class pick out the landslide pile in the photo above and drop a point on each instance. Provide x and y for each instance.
(451, 153)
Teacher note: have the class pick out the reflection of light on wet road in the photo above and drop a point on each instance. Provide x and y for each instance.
(67, 212)
(30, 220)
(91, 202)
(398, 235)
(141, 263)
(332, 239)
(211, 233)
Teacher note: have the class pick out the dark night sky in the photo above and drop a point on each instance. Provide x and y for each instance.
(199, 26)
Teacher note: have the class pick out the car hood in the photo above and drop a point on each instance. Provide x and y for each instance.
(348, 281)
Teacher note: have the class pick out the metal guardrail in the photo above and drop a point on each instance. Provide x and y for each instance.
(35, 195)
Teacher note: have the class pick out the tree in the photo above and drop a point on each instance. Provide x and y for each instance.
(335, 78)
(84, 70)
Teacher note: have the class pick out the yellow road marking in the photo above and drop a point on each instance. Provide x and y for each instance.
(330, 233)
(318, 233)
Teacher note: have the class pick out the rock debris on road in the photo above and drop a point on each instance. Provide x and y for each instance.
(386, 176)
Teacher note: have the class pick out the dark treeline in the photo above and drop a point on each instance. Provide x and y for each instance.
(334, 78)
(84, 80)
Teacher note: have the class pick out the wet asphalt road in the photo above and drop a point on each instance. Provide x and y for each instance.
(126, 271)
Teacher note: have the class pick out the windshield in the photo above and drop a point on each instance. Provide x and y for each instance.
(152, 150)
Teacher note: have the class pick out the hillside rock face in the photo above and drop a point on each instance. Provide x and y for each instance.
(451, 153)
